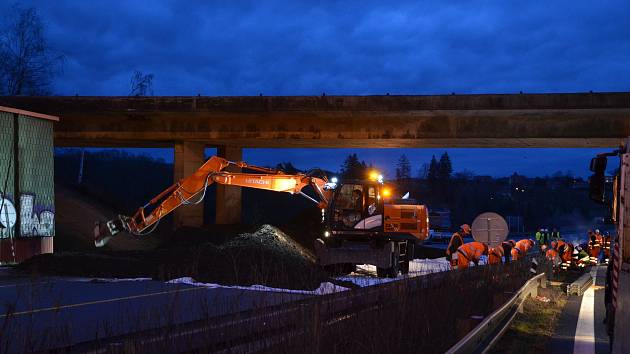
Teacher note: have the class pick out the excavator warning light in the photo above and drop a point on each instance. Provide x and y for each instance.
(375, 176)
(386, 192)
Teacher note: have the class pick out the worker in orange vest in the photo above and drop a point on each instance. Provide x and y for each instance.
(521, 248)
(565, 250)
(495, 254)
(507, 249)
(556, 245)
(553, 256)
(456, 241)
(470, 252)
(594, 244)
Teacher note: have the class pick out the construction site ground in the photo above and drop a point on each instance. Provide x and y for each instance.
(220, 254)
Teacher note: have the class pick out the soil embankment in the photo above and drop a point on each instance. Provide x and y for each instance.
(75, 216)
(267, 256)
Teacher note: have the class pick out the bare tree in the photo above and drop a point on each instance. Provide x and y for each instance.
(27, 63)
(141, 84)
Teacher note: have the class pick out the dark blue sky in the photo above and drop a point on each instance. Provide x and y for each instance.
(339, 47)
(349, 48)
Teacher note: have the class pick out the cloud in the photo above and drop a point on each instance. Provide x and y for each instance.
(306, 48)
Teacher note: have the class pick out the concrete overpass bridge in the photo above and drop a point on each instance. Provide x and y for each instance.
(189, 124)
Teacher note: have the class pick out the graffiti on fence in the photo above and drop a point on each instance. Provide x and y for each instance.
(35, 220)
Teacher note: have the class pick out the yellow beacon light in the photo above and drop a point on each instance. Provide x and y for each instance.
(386, 192)
(373, 175)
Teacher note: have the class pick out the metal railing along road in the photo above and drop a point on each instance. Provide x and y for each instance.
(490, 330)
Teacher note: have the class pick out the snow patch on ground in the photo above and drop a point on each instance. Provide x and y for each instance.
(109, 280)
(366, 274)
(324, 288)
(428, 266)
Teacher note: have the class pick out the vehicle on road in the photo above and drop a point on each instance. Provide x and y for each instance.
(618, 275)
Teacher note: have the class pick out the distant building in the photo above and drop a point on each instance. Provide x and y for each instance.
(27, 191)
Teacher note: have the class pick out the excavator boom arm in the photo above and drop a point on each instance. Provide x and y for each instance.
(191, 190)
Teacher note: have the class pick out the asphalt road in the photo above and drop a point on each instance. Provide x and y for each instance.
(563, 340)
(44, 313)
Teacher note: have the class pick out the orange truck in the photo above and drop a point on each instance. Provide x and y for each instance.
(363, 223)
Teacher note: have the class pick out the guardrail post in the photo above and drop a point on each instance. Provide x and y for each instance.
(543, 282)
(531, 291)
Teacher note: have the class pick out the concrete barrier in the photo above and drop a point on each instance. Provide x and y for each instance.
(579, 286)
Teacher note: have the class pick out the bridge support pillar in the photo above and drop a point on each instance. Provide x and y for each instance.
(188, 157)
(229, 197)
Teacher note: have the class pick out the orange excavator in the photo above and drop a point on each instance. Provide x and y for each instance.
(363, 223)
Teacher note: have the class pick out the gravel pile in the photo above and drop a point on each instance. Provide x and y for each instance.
(267, 256)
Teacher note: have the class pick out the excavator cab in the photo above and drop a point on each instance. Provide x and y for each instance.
(356, 207)
(365, 225)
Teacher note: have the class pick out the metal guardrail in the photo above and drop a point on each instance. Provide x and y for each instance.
(490, 330)
(579, 286)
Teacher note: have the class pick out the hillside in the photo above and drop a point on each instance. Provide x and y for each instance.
(75, 216)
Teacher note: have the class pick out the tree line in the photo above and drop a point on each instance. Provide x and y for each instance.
(559, 200)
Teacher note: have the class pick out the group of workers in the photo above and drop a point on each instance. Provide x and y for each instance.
(564, 255)
(544, 237)
(460, 254)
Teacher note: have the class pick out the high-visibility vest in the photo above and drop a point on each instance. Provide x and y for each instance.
(495, 254)
(472, 251)
(456, 241)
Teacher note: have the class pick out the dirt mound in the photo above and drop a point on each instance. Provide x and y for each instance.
(75, 215)
(273, 239)
(267, 257)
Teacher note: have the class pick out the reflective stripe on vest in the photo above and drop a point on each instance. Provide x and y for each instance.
(459, 250)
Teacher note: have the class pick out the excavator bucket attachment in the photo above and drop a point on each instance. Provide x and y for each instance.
(117, 225)
(104, 232)
(100, 235)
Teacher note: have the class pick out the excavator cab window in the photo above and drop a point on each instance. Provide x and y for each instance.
(372, 202)
(355, 203)
(348, 205)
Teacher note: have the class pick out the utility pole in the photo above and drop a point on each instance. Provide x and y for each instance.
(80, 178)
